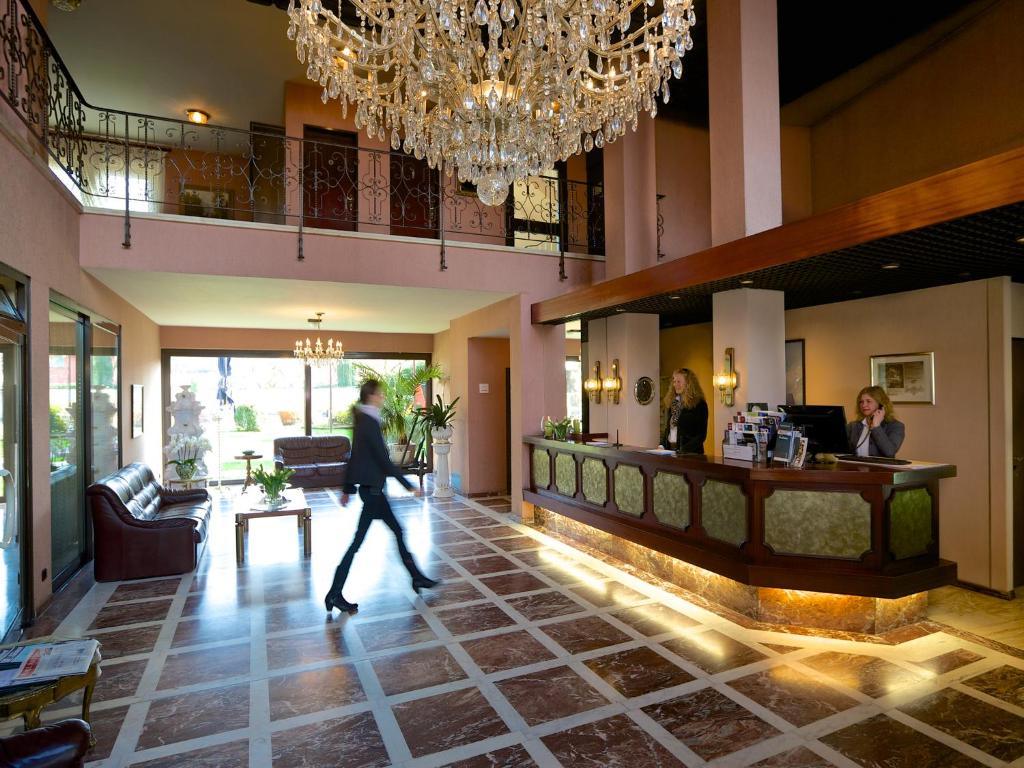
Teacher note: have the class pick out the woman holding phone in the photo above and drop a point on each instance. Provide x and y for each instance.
(877, 432)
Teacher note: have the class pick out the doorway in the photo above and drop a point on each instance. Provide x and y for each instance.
(330, 179)
(1018, 462)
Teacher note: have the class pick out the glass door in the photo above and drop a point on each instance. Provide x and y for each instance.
(12, 477)
(103, 400)
(67, 446)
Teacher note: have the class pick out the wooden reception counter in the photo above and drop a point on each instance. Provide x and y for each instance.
(843, 529)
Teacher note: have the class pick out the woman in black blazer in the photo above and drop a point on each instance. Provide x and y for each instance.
(686, 414)
(369, 467)
(877, 432)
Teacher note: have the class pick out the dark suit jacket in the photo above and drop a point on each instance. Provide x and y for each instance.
(370, 463)
(885, 439)
(691, 430)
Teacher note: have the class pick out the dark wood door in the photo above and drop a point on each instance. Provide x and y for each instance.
(1018, 462)
(414, 197)
(330, 181)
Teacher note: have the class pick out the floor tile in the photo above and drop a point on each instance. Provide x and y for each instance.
(710, 724)
(116, 681)
(474, 618)
(586, 634)
(713, 652)
(550, 694)
(516, 543)
(491, 564)
(654, 619)
(343, 741)
(467, 717)
(638, 671)
(545, 605)
(451, 593)
(196, 631)
(394, 633)
(192, 667)
(234, 754)
(307, 647)
(871, 676)
(881, 742)
(119, 615)
(608, 593)
(142, 589)
(975, 722)
(510, 757)
(301, 693)
(467, 549)
(792, 695)
(282, 618)
(949, 661)
(506, 651)
(801, 757)
(571, 572)
(1005, 683)
(127, 642)
(417, 669)
(106, 725)
(778, 648)
(617, 742)
(500, 531)
(513, 583)
(192, 715)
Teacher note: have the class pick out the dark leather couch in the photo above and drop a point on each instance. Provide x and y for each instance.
(143, 530)
(317, 461)
(61, 745)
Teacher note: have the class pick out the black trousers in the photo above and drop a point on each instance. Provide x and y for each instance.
(375, 507)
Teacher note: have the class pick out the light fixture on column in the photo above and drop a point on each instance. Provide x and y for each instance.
(726, 381)
(612, 384)
(318, 353)
(592, 386)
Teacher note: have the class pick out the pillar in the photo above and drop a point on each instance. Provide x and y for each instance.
(631, 202)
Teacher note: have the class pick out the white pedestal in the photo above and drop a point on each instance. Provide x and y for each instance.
(442, 473)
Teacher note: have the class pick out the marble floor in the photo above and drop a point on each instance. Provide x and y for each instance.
(530, 654)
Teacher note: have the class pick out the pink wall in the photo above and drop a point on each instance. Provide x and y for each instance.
(958, 102)
(684, 177)
(487, 361)
(184, 337)
(40, 225)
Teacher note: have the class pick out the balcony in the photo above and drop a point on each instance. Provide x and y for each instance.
(141, 163)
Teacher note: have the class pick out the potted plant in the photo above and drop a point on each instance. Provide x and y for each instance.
(399, 388)
(438, 418)
(189, 451)
(273, 483)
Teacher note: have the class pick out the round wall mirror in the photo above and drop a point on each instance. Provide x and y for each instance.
(643, 390)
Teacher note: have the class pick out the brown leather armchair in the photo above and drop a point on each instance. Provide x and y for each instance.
(61, 745)
(143, 530)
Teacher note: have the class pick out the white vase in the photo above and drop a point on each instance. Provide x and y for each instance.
(442, 437)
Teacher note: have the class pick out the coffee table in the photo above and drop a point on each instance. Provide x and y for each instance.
(27, 701)
(295, 504)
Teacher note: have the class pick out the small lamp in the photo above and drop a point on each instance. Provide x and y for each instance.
(726, 381)
(592, 386)
(612, 384)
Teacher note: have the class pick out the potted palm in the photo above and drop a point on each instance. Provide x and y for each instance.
(438, 418)
(399, 388)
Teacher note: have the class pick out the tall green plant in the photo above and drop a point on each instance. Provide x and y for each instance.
(399, 389)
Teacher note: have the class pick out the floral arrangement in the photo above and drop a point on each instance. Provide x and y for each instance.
(189, 451)
(272, 483)
(560, 430)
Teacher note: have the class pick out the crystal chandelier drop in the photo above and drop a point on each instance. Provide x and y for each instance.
(499, 89)
(318, 353)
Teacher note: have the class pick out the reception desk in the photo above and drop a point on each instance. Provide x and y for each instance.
(839, 529)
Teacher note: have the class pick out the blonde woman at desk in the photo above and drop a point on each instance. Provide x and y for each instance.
(877, 433)
(686, 414)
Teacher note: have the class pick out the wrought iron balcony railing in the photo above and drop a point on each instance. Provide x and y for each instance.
(135, 162)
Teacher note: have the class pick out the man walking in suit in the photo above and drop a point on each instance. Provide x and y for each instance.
(369, 468)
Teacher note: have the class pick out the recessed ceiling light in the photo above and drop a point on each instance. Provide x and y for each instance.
(746, 281)
(891, 265)
(197, 116)
(619, 309)
(1021, 239)
(675, 298)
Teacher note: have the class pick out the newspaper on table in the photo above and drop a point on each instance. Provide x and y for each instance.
(40, 662)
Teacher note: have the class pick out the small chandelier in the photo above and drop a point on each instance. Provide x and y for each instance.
(318, 353)
(499, 89)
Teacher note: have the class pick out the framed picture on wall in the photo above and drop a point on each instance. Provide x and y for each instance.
(796, 389)
(906, 378)
(137, 410)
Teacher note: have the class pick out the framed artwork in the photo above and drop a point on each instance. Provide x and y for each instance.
(906, 378)
(202, 201)
(796, 388)
(137, 410)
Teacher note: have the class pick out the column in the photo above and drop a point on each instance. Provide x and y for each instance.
(631, 204)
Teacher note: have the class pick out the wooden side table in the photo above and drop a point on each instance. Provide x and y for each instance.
(199, 481)
(248, 457)
(27, 702)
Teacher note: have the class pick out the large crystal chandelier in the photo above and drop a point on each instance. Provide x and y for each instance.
(319, 353)
(499, 89)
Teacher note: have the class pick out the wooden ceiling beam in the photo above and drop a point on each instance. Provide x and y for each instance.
(986, 184)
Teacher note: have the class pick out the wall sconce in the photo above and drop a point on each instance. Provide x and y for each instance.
(197, 116)
(592, 386)
(726, 381)
(612, 383)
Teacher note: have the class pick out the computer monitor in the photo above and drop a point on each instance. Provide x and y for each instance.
(824, 426)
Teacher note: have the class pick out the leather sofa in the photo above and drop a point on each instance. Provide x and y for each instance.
(318, 461)
(143, 530)
(61, 745)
